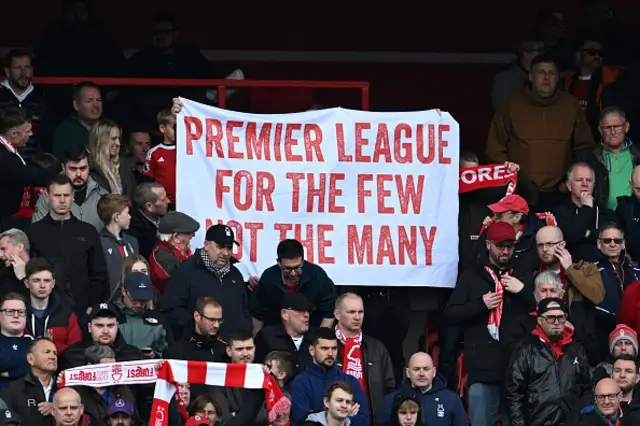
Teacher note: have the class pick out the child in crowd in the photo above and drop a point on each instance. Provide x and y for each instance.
(161, 159)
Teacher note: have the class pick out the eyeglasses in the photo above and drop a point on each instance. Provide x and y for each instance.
(504, 246)
(618, 241)
(553, 318)
(14, 312)
(548, 245)
(612, 129)
(214, 320)
(592, 52)
(289, 269)
(610, 397)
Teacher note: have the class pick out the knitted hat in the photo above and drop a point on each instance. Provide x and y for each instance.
(623, 332)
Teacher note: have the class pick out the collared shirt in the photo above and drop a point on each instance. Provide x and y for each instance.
(47, 389)
(620, 168)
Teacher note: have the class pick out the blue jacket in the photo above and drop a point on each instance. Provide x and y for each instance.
(308, 390)
(613, 288)
(13, 358)
(440, 406)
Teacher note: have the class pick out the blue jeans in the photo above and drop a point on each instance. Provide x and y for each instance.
(484, 403)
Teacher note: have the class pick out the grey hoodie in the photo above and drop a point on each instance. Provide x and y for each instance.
(87, 212)
(321, 418)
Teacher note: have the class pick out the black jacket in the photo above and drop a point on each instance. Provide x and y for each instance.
(73, 356)
(145, 231)
(628, 212)
(192, 280)
(485, 357)
(541, 389)
(74, 248)
(240, 407)
(275, 338)
(23, 396)
(96, 407)
(576, 221)
(378, 368)
(314, 283)
(10, 284)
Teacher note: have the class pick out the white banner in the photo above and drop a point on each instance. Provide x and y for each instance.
(372, 196)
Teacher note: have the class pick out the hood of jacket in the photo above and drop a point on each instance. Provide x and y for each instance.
(321, 418)
(536, 99)
(439, 383)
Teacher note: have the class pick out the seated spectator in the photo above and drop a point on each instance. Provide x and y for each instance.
(622, 341)
(7, 418)
(607, 407)
(68, 409)
(625, 373)
(139, 325)
(206, 407)
(32, 194)
(293, 274)
(579, 217)
(121, 412)
(628, 213)
(150, 204)
(613, 160)
(291, 335)
(86, 191)
(209, 273)
(133, 157)
(512, 80)
(161, 159)
(117, 244)
(284, 417)
(102, 330)
(104, 148)
(175, 232)
(72, 246)
(282, 367)
(309, 386)
(14, 343)
(438, 405)
(74, 131)
(405, 411)
(49, 314)
(31, 397)
(133, 263)
(339, 406)
(97, 400)
(14, 253)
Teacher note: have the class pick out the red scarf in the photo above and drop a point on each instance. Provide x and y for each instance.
(556, 347)
(352, 362)
(487, 176)
(495, 316)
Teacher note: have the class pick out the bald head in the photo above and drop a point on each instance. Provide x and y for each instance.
(349, 312)
(607, 387)
(421, 371)
(344, 298)
(67, 395)
(548, 234)
(421, 358)
(67, 407)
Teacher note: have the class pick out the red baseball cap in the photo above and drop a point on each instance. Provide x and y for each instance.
(499, 232)
(514, 203)
(196, 421)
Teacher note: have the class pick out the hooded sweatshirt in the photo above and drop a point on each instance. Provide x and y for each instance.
(13, 357)
(142, 329)
(321, 418)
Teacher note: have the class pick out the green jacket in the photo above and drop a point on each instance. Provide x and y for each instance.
(68, 134)
(143, 329)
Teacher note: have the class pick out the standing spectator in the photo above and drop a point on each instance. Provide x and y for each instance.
(31, 397)
(150, 204)
(175, 232)
(293, 274)
(14, 253)
(86, 191)
(104, 146)
(74, 131)
(549, 28)
(73, 246)
(15, 131)
(161, 159)
(534, 122)
(623, 340)
(548, 372)
(512, 80)
(49, 313)
(138, 144)
(114, 211)
(628, 212)
(68, 409)
(209, 273)
(18, 91)
(14, 343)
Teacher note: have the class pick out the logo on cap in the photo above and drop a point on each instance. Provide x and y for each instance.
(142, 285)
(622, 332)
(119, 403)
(553, 305)
(227, 231)
(104, 306)
(7, 414)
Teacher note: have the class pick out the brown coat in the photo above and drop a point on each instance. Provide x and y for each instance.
(586, 283)
(539, 134)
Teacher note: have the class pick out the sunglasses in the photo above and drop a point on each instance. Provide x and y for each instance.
(618, 241)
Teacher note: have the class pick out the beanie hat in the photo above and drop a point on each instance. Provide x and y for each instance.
(623, 332)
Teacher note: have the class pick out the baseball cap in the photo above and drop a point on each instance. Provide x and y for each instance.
(196, 421)
(514, 203)
(139, 286)
(120, 406)
(7, 417)
(551, 304)
(221, 234)
(499, 232)
(107, 310)
(297, 302)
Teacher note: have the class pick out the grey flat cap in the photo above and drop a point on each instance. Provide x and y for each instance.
(177, 223)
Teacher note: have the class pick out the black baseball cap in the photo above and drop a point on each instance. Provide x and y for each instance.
(296, 302)
(551, 304)
(221, 234)
(7, 417)
(106, 310)
(139, 286)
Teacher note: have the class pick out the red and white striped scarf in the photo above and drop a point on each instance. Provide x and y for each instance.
(173, 372)
(495, 316)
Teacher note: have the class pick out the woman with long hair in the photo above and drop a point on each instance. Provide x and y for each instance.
(207, 407)
(132, 263)
(104, 148)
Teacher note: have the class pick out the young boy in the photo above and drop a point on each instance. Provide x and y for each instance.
(161, 159)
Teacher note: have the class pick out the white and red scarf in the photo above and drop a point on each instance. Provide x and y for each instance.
(352, 362)
(487, 176)
(173, 372)
(12, 149)
(495, 316)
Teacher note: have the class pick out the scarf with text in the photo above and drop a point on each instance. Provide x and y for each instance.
(487, 176)
(167, 374)
(352, 363)
(495, 316)
(558, 346)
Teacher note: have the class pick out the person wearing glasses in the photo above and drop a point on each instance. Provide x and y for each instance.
(613, 159)
(606, 408)
(548, 372)
(14, 344)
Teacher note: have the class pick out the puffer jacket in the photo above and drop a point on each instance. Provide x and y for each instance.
(146, 329)
(542, 390)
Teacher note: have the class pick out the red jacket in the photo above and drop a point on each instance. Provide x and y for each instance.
(629, 312)
(164, 259)
(58, 322)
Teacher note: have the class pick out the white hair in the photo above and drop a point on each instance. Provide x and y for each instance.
(548, 277)
(17, 237)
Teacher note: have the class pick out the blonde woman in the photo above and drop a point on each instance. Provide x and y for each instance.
(104, 147)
